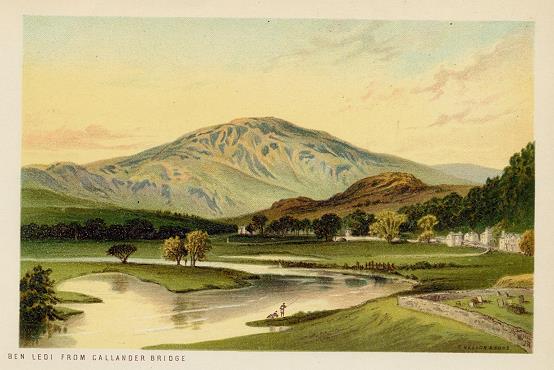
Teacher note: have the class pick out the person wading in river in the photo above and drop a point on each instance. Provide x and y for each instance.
(282, 308)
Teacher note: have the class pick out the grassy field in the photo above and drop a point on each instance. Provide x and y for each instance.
(378, 325)
(174, 278)
(471, 271)
(490, 308)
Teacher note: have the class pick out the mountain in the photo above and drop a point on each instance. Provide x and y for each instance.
(389, 190)
(226, 170)
(467, 171)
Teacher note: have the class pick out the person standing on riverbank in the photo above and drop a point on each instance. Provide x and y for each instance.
(282, 308)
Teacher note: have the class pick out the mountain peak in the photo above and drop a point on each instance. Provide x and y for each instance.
(233, 168)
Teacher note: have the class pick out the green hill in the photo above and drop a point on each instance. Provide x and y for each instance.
(44, 207)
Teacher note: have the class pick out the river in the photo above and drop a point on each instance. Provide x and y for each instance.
(135, 314)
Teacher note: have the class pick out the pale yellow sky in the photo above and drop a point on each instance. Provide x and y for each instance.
(433, 92)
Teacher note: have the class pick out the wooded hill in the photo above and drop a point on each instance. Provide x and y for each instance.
(388, 190)
(508, 199)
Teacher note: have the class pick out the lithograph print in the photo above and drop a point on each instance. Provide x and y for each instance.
(277, 185)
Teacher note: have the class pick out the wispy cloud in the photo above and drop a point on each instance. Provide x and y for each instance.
(344, 44)
(504, 50)
(463, 117)
(91, 137)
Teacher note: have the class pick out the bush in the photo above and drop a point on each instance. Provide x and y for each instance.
(36, 303)
(527, 243)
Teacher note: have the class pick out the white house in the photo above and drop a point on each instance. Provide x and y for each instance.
(242, 231)
(509, 242)
(454, 239)
(486, 237)
(471, 237)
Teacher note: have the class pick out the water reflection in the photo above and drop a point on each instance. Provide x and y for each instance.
(135, 314)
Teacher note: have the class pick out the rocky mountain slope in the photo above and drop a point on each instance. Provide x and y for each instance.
(226, 170)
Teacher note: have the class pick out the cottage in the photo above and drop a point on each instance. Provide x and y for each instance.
(471, 237)
(486, 237)
(454, 239)
(509, 242)
(243, 230)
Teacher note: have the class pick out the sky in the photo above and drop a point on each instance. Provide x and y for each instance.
(433, 92)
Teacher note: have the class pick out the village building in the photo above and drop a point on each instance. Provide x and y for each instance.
(486, 237)
(454, 239)
(509, 242)
(471, 237)
(243, 231)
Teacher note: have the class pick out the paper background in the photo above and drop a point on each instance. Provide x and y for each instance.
(542, 12)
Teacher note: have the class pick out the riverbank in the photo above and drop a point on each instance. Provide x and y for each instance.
(174, 278)
(434, 267)
(378, 325)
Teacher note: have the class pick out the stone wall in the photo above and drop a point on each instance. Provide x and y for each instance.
(430, 303)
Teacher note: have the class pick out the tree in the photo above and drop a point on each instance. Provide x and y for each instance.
(359, 221)
(306, 225)
(198, 244)
(121, 251)
(327, 226)
(139, 228)
(286, 224)
(387, 225)
(174, 249)
(527, 243)
(250, 228)
(95, 229)
(36, 303)
(427, 224)
(259, 221)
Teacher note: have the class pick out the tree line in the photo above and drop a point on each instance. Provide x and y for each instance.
(508, 200)
(385, 224)
(97, 229)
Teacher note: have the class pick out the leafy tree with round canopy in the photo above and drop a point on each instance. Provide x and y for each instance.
(121, 251)
(306, 225)
(259, 221)
(327, 226)
(527, 243)
(36, 303)
(427, 224)
(359, 221)
(198, 244)
(174, 249)
(387, 225)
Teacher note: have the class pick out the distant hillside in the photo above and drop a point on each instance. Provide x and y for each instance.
(226, 170)
(467, 171)
(390, 190)
(44, 207)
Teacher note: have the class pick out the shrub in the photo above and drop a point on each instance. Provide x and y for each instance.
(527, 243)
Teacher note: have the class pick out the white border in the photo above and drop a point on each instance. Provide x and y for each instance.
(542, 12)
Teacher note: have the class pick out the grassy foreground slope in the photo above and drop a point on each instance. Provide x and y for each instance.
(378, 325)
